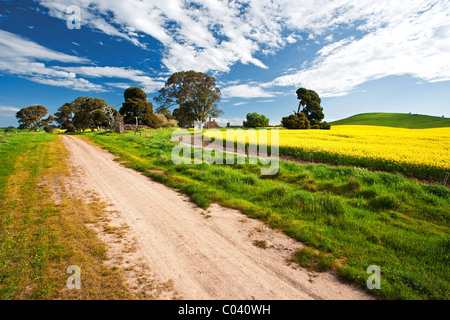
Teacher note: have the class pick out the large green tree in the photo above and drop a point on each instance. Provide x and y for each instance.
(84, 108)
(184, 117)
(105, 117)
(32, 117)
(65, 114)
(310, 105)
(255, 120)
(137, 107)
(196, 95)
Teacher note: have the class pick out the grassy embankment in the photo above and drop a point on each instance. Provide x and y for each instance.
(349, 218)
(42, 232)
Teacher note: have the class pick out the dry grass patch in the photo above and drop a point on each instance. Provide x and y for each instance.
(46, 227)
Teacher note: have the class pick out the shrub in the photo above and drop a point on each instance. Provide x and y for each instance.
(164, 123)
(296, 121)
(162, 120)
(71, 128)
(172, 124)
(255, 120)
(49, 129)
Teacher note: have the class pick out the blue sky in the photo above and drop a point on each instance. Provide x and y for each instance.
(360, 56)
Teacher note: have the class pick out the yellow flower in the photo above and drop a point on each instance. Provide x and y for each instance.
(392, 146)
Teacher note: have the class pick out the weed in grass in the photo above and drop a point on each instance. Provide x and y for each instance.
(439, 191)
(277, 193)
(385, 202)
(369, 193)
(309, 258)
(260, 244)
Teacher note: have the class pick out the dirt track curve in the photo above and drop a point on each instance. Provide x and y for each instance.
(209, 254)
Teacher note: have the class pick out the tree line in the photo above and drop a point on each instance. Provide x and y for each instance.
(309, 114)
(192, 96)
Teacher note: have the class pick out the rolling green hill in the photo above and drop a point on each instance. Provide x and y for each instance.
(398, 120)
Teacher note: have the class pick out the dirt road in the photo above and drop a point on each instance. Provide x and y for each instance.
(209, 254)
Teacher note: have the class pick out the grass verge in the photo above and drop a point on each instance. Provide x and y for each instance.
(43, 227)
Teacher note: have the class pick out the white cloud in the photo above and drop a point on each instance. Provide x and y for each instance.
(206, 35)
(233, 121)
(120, 85)
(394, 38)
(403, 40)
(24, 58)
(397, 37)
(16, 48)
(240, 104)
(137, 76)
(8, 109)
(245, 91)
(8, 112)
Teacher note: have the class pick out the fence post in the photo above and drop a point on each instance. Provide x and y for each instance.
(447, 175)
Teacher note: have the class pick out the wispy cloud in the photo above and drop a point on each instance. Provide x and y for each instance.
(8, 112)
(28, 60)
(136, 76)
(411, 39)
(240, 104)
(210, 35)
(19, 49)
(395, 37)
(246, 91)
(8, 109)
(390, 38)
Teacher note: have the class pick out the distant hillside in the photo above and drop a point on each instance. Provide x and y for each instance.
(398, 120)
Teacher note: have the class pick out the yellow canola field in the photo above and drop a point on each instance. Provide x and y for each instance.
(430, 147)
(375, 147)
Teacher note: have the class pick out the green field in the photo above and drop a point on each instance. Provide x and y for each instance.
(40, 238)
(353, 217)
(397, 120)
(349, 218)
